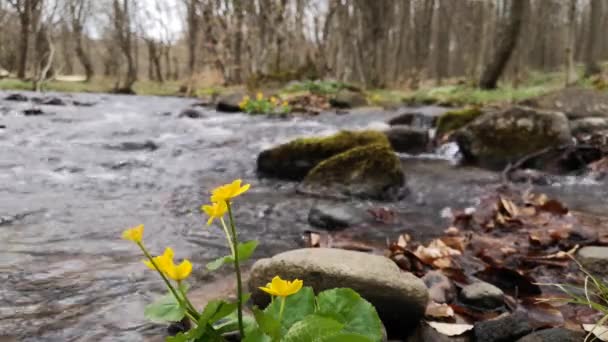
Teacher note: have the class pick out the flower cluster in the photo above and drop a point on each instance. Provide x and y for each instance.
(220, 199)
(262, 105)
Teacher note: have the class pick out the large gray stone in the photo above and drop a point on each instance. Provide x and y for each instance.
(335, 216)
(426, 333)
(482, 295)
(415, 119)
(506, 328)
(229, 103)
(588, 125)
(594, 259)
(496, 139)
(399, 297)
(408, 139)
(554, 335)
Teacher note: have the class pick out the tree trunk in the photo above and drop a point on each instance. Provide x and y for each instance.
(83, 57)
(571, 76)
(24, 42)
(443, 41)
(592, 66)
(506, 43)
(238, 42)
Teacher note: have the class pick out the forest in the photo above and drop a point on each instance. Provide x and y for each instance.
(374, 44)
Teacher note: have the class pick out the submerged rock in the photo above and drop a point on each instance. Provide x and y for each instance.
(482, 295)
(32, 112)
(135, 146)
(229, 103)
(554, 335)
(455, 119)
(409, 140)
(594, 259)
(51, 101)
(348, 99)
(370, 171)
(191, 113)
(16, 97)
(575, 102)
(333, 216)
(499, 138)
(399, 297)
(295, 159)
(506, 328)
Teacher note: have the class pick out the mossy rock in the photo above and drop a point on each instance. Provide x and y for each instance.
(229, 103)
(455, 119)
(505, 136)
(575, 102)
(295, 159)
(372, 171)
(346, 99)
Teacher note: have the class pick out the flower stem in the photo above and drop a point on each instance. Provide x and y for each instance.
(227, 236)
(239, 285)
(282, 309)
(191, 313)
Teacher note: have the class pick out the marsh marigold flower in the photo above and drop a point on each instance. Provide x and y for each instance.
(215, 211)
(282, 288)
(179, 272)
(163, 261)
(134, 234)
(227, 192)
(285, 104)
(259, 96)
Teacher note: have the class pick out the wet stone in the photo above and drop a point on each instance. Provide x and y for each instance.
(415, 119)
(334, 216)
(506, 328)
(441, 289)
(191, 113)
(32, 112)
(408, 139)
(594, 259)
(16, 97)
(554, 335)
(482, 295)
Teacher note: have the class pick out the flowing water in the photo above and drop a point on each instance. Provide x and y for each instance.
(72, 180)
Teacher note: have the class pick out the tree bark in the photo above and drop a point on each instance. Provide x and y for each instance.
(506, 43)
(592, 66)
(238, 42)
(571, 76)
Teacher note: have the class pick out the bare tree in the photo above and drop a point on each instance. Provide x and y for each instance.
(571, 41)
(79, 11)
(123, 35)
(27, 11)
(592, 66)
(506, 43)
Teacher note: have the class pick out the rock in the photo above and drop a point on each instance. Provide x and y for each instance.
(399, 297)
(554, 335)
(333, 216)
(505, 328)
(83, 104)
(502, 137)
(455, 119)
(2, 126)
(229, 103)
(371, 172)
(348, 99)
(594, 259)
(441, 289)
(32, 112)
(416, 119)
(426, 333)
(191, 113)
(588, 125)
(295, 159)
(16, 97)
(135, 146)
(409, 140)
(575, 102)
(52, 101)
(482, 295)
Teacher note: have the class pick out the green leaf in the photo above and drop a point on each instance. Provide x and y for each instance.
(257, 336)
(312, 328)
(347, 307)
(346, 337)
(245, 250)
(297, 307)
(267, 323)
(216, 310)
(165, 309)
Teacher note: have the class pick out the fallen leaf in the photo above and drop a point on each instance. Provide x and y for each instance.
(437, 310)
(509, 207)
(600, 331)
(403, 240)
(450, 329)
(554, 207)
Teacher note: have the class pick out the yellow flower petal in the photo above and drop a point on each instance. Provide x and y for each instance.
(215, 210)
(181, 271)
(259, 96)
(282, 288)
(163, 261)
(134, 234)
(226, 192)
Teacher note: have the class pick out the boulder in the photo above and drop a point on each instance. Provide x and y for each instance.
(51, 101)
(455, 119)
(483, 296)
(594, 259)
(575, 102)
(295, 159)
(441, 289)
(588, 125)
(348, 99)
(408, 139)
(399, 297)
(505, 328)
(502, 137)
(191, 113)
(229, 103)
(554, 335)
(335, 216)
(415, 119)
(370, 172)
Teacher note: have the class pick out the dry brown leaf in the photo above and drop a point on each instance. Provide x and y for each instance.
(403, 240)
(509, 207)
(450, 329)
(599, 331)
(437, 310)
(452, 231)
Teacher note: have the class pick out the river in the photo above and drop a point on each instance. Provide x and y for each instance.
(72, 180)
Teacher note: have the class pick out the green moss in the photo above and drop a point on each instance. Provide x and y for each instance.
(295, 159)
(455, 119)
(372, 171)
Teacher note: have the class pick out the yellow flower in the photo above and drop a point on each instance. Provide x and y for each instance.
(134, 234)
(282, 288)
(274, 100)
(215, 211)
(179, 272)
(163, 261)
(227, 192)
(244, 102)
(285, 104)
(259, 96)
